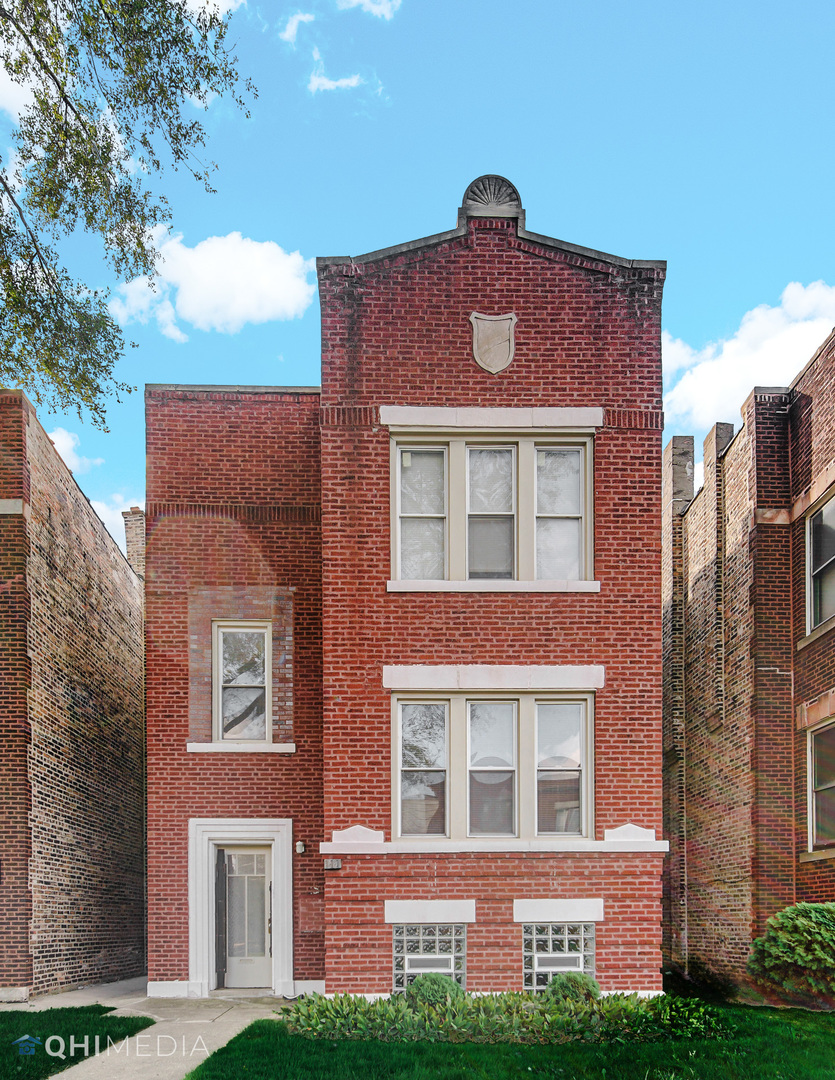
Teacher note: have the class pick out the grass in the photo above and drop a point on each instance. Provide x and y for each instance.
(770, 1044)
(89, 1021)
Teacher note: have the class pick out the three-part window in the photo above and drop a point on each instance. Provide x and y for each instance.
(242, 674)
(497, 767)
(481, 511)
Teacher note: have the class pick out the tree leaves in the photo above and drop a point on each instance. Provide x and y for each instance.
(109, 81)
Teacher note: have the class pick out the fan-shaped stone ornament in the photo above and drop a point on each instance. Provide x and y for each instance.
(491, 196)
(493, 341)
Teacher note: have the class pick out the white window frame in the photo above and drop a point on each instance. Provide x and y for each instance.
(813, 844)
(458, 765)
(811, 625)
(399, 449)
(219, 627)
(524, 445)
(401, 769)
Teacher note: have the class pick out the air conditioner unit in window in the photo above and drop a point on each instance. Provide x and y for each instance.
(416, 965)
(551, 962)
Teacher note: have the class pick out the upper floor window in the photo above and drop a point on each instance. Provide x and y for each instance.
(474, 509)
(821, 549)
(494, 767)
(242, 669)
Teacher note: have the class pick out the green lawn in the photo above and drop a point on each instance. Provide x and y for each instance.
(54, 1025)
(770, 1044)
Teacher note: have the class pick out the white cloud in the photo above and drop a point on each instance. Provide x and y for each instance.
(319, 81)
(383, 8)
(221, 284)
(13, 97)
(111, 514)
(770, 347)
(67, 443)
(292, 28)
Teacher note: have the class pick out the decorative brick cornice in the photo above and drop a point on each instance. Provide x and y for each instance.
(236, 511)
(634, 418)
(349, 416)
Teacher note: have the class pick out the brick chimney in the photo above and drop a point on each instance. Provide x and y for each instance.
(135, 539)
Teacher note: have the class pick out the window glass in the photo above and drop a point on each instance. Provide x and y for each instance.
(422, 514)
(559, 738)
(490, 523)
(558, 478)
(823, 781)
(422, 482)
(423, 769)
(558, 551)
(491, 480)
(492, 783)
(243, 684)
(823, 563)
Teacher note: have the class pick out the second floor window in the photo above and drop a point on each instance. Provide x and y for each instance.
(242, 684)
(472, 510)
(822, 564)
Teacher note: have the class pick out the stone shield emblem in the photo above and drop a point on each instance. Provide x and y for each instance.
(493, 341)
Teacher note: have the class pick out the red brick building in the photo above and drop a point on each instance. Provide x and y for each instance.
(749, 689)
(72, 898)
(403, 634)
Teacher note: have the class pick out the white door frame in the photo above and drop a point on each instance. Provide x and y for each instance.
(205, 835)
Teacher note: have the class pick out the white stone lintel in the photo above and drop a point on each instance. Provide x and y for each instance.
(493, 677)
(14, 507)
(514, 419)
(430, 911)
(558, 911)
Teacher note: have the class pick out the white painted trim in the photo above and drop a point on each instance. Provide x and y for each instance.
(558, 911)
(206, 834)
(511, 845)
(308, 986)
(14, 507)
(517, 419)
(629, 831)
(241, 748)
(430, 911)
(493, 586)
(173, 989)
(493, 677)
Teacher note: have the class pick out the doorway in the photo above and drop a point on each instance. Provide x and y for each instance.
(243, 916)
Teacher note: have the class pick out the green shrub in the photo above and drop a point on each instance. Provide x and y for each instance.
(503, 1018)
(796, 954)
(433, 988)
(572, 986)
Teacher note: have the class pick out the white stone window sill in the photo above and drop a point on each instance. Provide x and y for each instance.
(240, 748)
(442, 847)
(814, 856)
(492, 586)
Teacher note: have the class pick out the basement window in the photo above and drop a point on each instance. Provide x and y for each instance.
(423, 947)
(554, 948)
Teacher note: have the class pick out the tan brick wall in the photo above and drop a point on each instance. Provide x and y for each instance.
(86, 755)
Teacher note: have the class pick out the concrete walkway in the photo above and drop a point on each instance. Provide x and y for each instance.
(186, 1031)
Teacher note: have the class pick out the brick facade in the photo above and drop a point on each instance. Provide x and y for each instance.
(741, 669)
(235, 502)
(72, 890)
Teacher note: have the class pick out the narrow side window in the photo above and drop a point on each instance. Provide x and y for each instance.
(242, 682)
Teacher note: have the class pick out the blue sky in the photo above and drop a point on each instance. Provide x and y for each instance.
(701, 134)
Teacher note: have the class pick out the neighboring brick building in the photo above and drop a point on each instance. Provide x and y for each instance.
(72, 903)
(749, 693)
(412, 624)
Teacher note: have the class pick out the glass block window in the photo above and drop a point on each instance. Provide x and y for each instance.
(549, 948)
(423, 947)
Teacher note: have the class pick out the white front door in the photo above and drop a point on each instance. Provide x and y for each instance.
(244, 928)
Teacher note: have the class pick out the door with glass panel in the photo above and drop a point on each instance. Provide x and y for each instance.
(243, 888)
